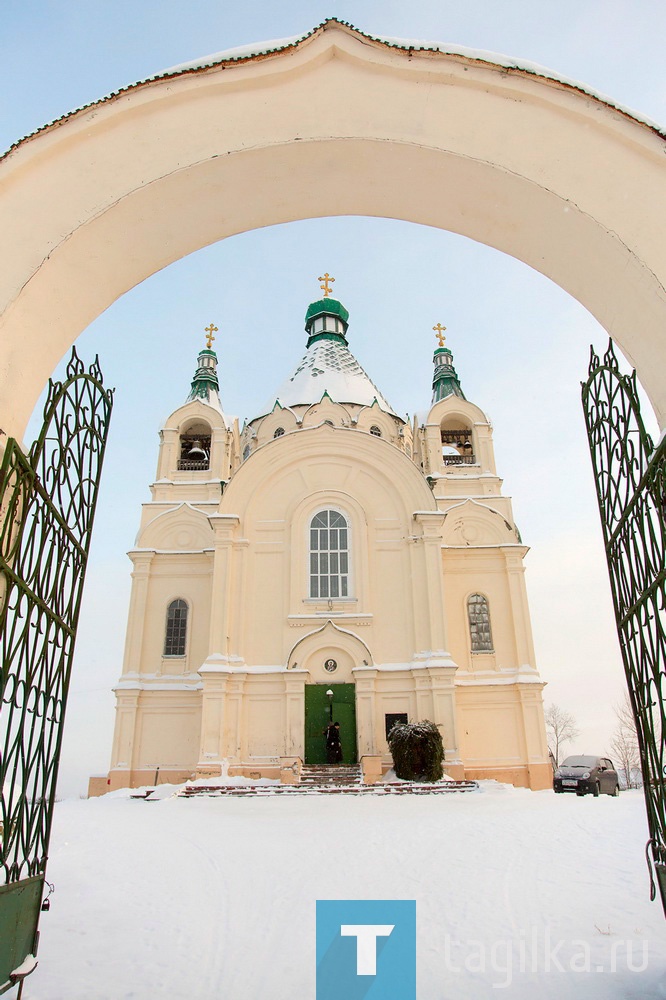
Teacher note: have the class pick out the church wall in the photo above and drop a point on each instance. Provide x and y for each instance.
(175, 576)
(502, 734)
(479, 571)
(155, 729)
(168, 730)
(264, 720)
(289, 484)
(394, 693)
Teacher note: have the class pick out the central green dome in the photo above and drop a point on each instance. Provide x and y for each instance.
(330, 307)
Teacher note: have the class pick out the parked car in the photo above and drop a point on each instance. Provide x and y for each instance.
(582, 774)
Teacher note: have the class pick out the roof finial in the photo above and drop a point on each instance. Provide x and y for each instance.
(326, 279)
(439, 333)
(209, 331)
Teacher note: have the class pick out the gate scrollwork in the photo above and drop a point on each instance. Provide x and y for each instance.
(47, 507)
(630, 475)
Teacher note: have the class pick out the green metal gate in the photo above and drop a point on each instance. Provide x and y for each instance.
(47, 506)
(630, 474)
(320, 709)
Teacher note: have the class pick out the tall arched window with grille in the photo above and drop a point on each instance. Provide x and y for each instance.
(478, 613)
(329, 555)
(175, 634)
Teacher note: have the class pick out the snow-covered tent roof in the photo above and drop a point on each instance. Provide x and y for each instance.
(329, 366)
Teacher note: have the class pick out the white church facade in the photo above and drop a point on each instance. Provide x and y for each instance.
(329, 560)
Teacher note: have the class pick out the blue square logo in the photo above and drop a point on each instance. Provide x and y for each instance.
(366, 949)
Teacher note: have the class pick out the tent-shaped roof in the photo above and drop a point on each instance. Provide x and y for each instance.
(329, 366)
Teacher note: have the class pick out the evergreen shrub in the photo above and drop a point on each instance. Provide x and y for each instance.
(417, 751)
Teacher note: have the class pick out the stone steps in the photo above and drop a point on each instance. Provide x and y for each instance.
(330, 774)
(330, 788)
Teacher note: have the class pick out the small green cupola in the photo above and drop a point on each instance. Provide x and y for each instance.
(445, 378)
(205, 385)
(326, 319)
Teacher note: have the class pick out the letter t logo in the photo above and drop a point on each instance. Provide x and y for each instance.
(366, 949)
(366, 944)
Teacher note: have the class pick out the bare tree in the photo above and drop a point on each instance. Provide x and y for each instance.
(624, 745)
(561, 727)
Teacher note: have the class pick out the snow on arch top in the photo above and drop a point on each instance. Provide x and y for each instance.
(255, 51)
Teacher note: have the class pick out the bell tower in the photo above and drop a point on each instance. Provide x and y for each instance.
(199, 443)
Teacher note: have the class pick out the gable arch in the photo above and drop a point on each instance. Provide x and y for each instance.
(181, 528)
(472, 523)
(324, 641)
(97, 202)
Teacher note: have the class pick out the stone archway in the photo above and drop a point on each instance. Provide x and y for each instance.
(96, 202)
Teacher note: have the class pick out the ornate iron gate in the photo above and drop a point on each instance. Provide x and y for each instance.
(630, 475)
(47, 506)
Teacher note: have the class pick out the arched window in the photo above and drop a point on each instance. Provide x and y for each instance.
(375, 431)
(176, 628)
(478, 614)
(329, 555)
(279, 431)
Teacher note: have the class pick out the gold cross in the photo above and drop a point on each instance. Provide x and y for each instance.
(209, 331)
(439, 332)
(326, 279)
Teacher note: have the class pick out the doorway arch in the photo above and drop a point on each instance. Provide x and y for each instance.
(336, 123)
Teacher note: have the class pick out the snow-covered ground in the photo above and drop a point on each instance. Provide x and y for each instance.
(519, 894)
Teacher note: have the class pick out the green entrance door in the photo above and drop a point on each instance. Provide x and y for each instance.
(318, 716)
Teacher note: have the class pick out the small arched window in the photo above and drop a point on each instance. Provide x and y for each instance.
(478, 614)
(329, 555)
(375, 431)
(176, 628)
(246, 452)
(279, 431)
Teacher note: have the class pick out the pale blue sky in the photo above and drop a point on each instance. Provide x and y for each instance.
(520, 343)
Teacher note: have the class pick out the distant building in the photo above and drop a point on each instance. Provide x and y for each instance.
(330, 560)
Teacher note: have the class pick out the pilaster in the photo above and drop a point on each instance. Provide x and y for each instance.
(294, 687)
(224, 528)
(127, 703)
(137, 614)
(213, 712)
(519, 608)
(442, 680)
(366, 715)
(234, 736)
(430, 523)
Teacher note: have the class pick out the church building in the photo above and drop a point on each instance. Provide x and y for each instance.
(328, 561)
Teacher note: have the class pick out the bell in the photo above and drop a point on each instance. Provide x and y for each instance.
(46, 905)
(196, 453)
